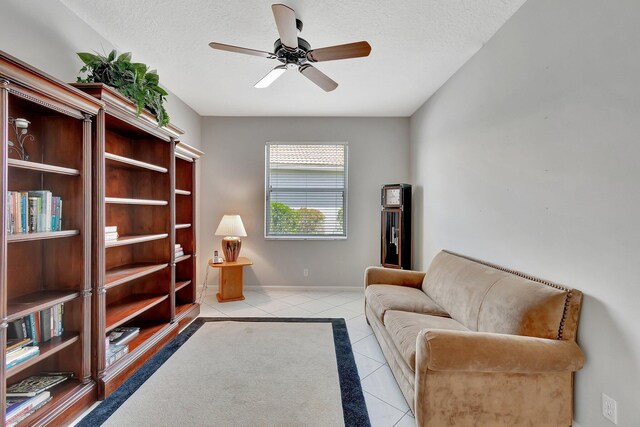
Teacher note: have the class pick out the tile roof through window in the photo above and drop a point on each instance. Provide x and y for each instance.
(307, 154)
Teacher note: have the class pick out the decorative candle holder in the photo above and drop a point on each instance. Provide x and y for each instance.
(20, 126)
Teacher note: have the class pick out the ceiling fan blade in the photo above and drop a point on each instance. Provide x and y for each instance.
(318, 77)
(271, 77)
(343, 51)
(237, 49)
(286, 23)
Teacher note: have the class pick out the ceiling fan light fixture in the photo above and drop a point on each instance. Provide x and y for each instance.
(271, 77)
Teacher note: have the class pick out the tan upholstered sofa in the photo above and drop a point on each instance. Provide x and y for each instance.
(472, 343)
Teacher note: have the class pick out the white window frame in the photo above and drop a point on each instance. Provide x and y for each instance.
(267, 236)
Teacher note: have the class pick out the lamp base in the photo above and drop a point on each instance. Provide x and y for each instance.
(231, 248)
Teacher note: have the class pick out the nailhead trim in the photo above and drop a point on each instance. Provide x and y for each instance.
(567, 300)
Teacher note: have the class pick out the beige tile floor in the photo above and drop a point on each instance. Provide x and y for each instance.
(386, 404)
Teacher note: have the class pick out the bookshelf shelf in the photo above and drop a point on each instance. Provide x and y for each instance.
(131, 240)
(121, 161)
(147, 331)
(41, 167)
(127, 273)
(125, 201)
(47, 349)
(182, 308)
(36, 301)
(183, 192)
(130, 307)
(62, 396)
(180, 285)
(183, 258)
(180, 226)
(25, 237)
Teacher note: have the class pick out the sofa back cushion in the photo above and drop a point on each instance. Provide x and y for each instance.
(487, 298)
(517, 306)
(459, 285)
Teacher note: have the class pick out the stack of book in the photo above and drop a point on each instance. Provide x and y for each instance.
(27, 396)
(123, 334)
(33, 212)
(117, 341)
(115, 353)
(179, 250)
(111, 233)
(19, 351)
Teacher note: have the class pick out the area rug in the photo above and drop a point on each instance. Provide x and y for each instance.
(244, 372)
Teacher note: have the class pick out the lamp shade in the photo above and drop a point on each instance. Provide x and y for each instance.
(231, 225)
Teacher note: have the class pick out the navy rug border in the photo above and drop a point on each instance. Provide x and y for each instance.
(354, 408)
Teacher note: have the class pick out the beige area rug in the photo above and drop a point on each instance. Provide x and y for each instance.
(243, 374)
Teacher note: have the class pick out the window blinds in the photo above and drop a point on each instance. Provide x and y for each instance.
(306, 190)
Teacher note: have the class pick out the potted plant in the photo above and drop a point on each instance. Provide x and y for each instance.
(132, 79)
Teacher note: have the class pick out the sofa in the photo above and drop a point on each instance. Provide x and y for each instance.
(474, 344)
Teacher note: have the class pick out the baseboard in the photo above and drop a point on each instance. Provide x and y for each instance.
(306, 288)
(300, 288)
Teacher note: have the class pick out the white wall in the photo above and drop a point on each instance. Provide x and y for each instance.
(233, 175)
(47, 35)
(528, 157)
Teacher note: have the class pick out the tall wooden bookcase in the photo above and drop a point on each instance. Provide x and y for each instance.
(39, 270)
(134, 278)
(185, 193)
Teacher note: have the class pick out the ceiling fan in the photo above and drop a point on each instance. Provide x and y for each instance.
(292, 51)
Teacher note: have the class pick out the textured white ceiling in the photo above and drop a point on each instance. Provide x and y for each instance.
(416, 46)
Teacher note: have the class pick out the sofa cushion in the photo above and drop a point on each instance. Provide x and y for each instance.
(404, 327)
(459, 285)
(519, 306)
(389, 297)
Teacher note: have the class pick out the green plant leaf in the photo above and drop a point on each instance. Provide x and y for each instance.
(87, 57)
(112, 55)
(125, 57)
(160, 91)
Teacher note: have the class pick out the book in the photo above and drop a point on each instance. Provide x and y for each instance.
(123, 334)
(45, 324)
(35, 384)
(110, 237)
(30, 322)
(111, 229)
(115, 353)
(17, 330)
(15, 344)
(19, 408)
(19, 356)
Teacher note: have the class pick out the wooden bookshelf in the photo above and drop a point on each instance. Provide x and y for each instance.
(134, 171)
(185, 307)
(40, 270)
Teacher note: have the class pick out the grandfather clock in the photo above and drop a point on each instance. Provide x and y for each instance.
(395, 251)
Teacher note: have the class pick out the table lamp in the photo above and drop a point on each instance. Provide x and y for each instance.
(231, 227)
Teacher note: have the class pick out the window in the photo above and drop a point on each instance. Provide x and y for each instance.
(306, 191)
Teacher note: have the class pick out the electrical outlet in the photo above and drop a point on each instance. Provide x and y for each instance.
(610, 409)
(305, 272)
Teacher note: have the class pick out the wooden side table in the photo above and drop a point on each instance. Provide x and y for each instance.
(230, 283)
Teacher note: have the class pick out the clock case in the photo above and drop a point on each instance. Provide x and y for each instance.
(395, 249)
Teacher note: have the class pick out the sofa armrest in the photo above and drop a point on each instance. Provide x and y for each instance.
(448, 350)
(391, 276)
